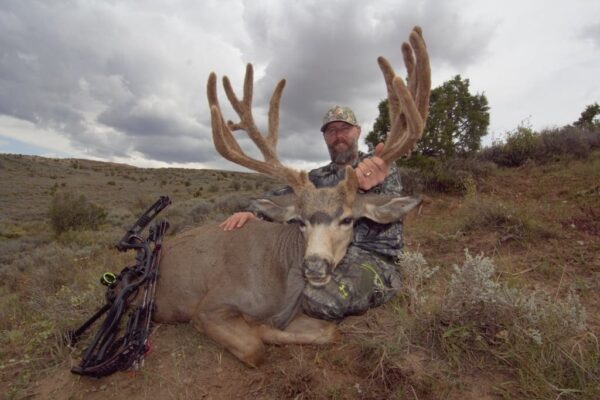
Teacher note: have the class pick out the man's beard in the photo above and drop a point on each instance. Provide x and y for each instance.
(344, 157)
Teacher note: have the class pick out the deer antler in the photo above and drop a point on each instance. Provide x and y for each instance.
(228, 146)
(408, 106)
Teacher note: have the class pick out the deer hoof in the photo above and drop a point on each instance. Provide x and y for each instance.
(254, 359)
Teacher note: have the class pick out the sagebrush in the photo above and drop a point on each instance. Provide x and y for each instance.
(71, 212)
(524, 144)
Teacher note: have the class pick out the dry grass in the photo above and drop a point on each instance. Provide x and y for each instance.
(537, 224)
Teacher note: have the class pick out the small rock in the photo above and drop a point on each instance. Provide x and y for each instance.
(580, 242)
(357, 387)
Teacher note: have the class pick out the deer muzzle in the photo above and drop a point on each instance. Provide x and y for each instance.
(317, 271)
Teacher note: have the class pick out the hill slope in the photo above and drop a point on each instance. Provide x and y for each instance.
(538, 224)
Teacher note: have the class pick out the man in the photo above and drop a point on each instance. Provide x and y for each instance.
(366, 277)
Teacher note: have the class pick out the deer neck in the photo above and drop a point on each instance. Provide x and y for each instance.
(289, 255)
(290, 247)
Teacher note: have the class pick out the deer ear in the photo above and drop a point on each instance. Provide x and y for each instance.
(277, 208)
(383, 209)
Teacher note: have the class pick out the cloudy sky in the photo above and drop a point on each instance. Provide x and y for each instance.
(125, 81)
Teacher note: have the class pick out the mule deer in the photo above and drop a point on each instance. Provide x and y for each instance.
(242, 288)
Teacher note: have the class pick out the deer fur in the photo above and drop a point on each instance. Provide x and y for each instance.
(243, 287)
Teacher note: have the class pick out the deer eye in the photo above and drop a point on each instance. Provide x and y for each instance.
(347, 221)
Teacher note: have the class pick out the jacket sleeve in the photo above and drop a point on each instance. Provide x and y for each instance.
(384, 239)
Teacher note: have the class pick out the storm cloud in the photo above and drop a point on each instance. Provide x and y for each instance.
(127, 78)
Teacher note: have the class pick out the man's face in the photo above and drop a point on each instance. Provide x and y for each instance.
(342, 141)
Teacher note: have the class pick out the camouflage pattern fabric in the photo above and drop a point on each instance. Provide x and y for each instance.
(361, 281)
(339, 113)
(367, 275)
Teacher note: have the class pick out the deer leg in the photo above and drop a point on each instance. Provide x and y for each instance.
(233, 332)
(302, 330)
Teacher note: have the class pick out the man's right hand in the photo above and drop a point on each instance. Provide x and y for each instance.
(237, 220)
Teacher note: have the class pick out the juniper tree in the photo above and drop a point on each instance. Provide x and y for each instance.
(457, 121)
(590, 117)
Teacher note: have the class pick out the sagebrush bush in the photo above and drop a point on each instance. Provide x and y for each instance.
(525, 144)
(509, 222)
(52, 288)
(474, 167)
(473, 295)
(232, 203)
(541, 338)
(568, 140)
(475, 298)
(426, 174)
(201, 211)
(70, 212)
(415, 273)
(12, 249)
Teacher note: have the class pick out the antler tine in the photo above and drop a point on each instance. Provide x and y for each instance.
(409, 61)
(424, 79)
(227, 145)
(218, 125)
(408, 106)
(273, 134)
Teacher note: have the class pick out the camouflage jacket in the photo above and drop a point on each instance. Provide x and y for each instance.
(383, 239)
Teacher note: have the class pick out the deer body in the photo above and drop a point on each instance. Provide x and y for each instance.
(255, 271)
(242, 288)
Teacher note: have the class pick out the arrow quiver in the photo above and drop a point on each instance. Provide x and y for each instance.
(108, 352)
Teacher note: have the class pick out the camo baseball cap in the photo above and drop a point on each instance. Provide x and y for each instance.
(339, 113)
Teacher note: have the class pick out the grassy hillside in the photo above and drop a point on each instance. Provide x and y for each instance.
(516, 316)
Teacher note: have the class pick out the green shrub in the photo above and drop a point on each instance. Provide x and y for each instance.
(69, 212)
(521, 145)
(567, 140)
(524, 144)
(509, 222)
(453, 176)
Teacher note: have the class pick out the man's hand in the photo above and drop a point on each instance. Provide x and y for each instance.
(373, 170)
(236, 220)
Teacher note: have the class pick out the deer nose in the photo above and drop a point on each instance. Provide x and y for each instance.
(316, 268)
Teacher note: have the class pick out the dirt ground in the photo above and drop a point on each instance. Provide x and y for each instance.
(185, 365)
(376, 358)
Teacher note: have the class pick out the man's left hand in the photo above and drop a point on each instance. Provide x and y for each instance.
(373, 170)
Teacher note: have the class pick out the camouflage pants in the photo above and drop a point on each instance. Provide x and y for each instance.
(361, 281)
